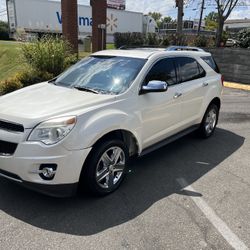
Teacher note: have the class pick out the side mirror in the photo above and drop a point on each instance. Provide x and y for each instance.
(154, 86)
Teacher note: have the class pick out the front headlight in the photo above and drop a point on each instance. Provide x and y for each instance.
(53, 131)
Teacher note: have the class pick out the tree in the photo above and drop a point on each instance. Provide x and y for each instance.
(211, 21)
(167, 19)
(225, 8)
(4, 31)
(159, 19)
(212, 16)
(156, 15)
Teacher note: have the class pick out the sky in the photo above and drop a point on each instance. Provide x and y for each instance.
(165, 7)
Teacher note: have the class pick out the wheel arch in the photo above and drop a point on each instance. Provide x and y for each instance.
(126, 136)
(121, 134)
(216, 101)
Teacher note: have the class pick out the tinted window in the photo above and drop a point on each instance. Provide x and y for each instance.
(201, 70)
(163, 70)
(189, 69)
(211, 62)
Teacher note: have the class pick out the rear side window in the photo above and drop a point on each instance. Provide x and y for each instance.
(211, 62)
(189, 69)
(163, 70)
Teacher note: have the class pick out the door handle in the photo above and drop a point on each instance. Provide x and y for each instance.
(177, 95)
(205, 84)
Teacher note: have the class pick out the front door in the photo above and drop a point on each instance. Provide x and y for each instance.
(160, 112)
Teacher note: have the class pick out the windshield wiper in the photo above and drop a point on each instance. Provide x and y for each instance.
(86, 89)
(53, 81)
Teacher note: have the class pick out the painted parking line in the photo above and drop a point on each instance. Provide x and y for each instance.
(218, 223)
(237, 85)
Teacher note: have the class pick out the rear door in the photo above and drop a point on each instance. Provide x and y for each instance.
(192, 78)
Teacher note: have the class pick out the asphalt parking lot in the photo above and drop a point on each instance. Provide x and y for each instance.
(191, 194)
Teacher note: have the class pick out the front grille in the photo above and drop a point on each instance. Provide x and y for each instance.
(10, 126)
(7, 148)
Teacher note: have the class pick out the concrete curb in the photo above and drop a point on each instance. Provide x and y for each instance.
(237, 85)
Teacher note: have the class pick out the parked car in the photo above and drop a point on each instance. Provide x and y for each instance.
(83, 126)
(232, 43)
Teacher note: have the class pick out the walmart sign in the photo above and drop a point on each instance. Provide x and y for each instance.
(82, 21)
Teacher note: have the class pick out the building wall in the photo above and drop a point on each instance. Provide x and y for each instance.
(234, 63)
(237, 25)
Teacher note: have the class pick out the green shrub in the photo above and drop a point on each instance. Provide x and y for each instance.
(23, 79)
(4, 31)
(244, 38)
(165, 41)
(69, 61)
(45, 59)
(201, 41)
(10, 85)
(129, 39)
(179, 40)
(119, 40)
(225, 36)
(49, 54)
(137, 39)
(29, 77)
(152, 39)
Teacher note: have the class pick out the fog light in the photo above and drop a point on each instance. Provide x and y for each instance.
(47, 171)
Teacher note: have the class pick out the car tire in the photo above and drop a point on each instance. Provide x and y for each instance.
(105, 168)
(209, 121)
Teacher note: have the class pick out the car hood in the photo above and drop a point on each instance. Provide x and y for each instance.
(39, 102)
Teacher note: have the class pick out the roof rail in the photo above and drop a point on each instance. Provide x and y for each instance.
(159, 47)
(124, 47)
(181, 48)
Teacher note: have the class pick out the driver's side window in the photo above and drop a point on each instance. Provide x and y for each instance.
(163, 70)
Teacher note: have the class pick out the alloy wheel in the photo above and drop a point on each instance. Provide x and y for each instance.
(210, 121)
(110, 167)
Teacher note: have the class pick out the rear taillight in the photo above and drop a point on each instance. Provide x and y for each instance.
(222, 80)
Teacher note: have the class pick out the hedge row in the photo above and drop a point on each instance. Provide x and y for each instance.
(151, 39)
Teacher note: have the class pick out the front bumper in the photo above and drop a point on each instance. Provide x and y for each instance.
(58, 190)
(23, 167)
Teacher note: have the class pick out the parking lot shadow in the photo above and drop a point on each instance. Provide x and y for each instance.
(150, 179)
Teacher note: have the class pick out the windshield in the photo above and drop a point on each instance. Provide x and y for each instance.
(102, 74)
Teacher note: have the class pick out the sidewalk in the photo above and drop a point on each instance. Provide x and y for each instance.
(237, 85)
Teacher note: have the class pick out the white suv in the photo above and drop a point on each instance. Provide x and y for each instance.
(83, 126)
